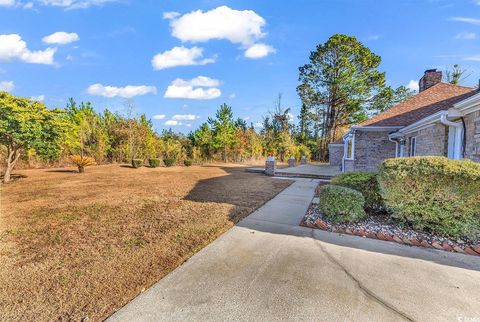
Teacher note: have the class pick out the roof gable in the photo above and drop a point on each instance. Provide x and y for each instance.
(437, 98)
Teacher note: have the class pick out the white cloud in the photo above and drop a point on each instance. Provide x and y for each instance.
(126, 92)
(180, 56)
(159, 116)
(473, 58)
(244, 27)
(7, 86)
(170, 15)
(413, 85)
(28, 5)
(199, 81)
(472, 21)
(232, 96)
(7, 3)
(239, 27)
(466, 35)
(74, 4)
(172, 123)
(13, 47)
(39, 98)
(192, 93)
(198, 88)
(185, 117)
(259, 51)
(61, 38)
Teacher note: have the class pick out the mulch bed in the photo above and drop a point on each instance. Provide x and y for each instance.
(382, 227)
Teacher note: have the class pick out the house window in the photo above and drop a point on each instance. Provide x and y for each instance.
(349, 147)
(413, 147)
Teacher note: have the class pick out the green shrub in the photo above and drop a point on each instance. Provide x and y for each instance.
(187, 163)
(366, 183)
(137, 163)
(169, 162)
(154, 162)
(341, 204)
(434, 194)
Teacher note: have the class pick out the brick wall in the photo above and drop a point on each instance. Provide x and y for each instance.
(472, 148)
(349, 165)
(371, 148)
(335, 154)
(432, 140)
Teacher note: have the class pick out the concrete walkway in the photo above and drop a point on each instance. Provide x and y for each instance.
(268, 268)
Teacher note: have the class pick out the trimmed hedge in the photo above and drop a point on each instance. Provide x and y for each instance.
(366, 183)
(169, 162)
(137, 163)
(341, 204)
(187, 163)
(433, 194)
(153, 162)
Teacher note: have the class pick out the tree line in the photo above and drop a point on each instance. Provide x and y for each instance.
(341, 85)
(29, 130)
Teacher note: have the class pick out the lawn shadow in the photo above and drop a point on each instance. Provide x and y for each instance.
(245, 190)
(63, 171)
(14, 177)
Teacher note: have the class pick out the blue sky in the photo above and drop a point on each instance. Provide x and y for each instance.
(180, 60)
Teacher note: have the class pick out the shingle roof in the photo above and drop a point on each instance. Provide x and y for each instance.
(437, 98)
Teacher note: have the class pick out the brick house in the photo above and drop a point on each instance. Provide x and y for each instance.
(441, 120)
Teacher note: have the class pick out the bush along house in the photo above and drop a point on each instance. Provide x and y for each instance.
(441, 120)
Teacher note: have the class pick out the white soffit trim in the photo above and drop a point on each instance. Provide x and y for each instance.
(423, 123)
(375, 128)
(469, 105)
(354, 128)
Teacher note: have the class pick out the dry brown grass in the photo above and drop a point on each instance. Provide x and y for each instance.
(79, 246)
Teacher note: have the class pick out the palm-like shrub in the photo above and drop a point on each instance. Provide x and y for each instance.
(82, 162)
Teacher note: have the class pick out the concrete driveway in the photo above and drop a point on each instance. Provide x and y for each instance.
(268, 268)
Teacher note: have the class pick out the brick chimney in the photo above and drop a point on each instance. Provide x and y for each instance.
(430, 78)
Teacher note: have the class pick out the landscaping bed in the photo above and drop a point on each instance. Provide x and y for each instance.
(423, 201)
(383, 228)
